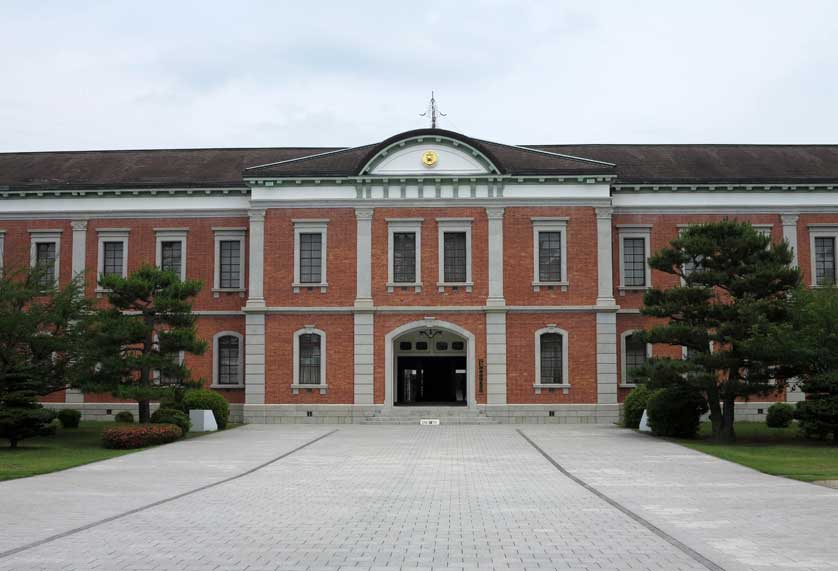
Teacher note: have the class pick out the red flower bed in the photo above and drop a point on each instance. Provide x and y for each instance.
(139, 435)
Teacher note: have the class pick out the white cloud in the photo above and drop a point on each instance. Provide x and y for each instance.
(166, 74)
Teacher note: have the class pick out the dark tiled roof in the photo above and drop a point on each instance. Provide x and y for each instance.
(509, 159)
(654, 164)
(713, 163)
(154, 168)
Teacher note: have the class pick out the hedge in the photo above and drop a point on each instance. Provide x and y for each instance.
(634, 406)
(140, 435)
(172, 416)
(203, 399)
(780, 415)
(69, 418)
(124, 416)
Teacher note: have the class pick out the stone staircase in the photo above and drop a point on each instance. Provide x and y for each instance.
(446, 415)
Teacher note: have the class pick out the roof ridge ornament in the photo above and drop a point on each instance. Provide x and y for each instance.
(433, 112)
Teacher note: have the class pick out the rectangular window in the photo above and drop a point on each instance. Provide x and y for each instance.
(551, 358)
(311, 252)
(310, 359)
(635, 356)
(404, 257)
(634, 262)
(113, 258)
(228, 360)
(549, 256)
(45, 262)
(455, 257)
(824, 260)
(231, 264)
(171, 256)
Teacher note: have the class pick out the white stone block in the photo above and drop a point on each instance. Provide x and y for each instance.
(202, 421)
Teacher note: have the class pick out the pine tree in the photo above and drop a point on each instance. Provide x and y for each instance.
(40, 341)
(736, 286)
(135, 344)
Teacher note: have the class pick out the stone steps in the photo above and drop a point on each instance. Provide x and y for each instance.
(415, 420)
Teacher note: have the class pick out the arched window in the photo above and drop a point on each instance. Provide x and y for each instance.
(228, 370)
(635, 353)
(309, 360)
(551, 359)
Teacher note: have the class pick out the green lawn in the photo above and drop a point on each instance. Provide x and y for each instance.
(68, 448)
(776, 451)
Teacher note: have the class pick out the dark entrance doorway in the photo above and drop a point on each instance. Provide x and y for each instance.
(425, 380)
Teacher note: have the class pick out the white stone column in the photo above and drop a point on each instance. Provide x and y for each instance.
(256, 280)
(495, 313)
(363, 314)
(606, 317)
(495, 216)
(78, 266)
(254, 345)
(790, 233)
(793, 392)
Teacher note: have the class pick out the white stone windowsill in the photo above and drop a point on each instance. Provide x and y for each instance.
(217, 291)
(627, 385)
(297, 286)
(237, 386)
(536, 286)
(624, 288)
(467, 285)
(542, 386)
(295, 389)
(392, 286)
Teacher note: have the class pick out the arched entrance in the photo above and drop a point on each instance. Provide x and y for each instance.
(429, 362)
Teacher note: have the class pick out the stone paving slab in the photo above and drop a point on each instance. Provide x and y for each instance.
(735, 516)
(32, 509)
(444, 497)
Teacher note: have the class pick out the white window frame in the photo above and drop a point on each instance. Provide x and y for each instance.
(643, 231)
(224, 235)
(537, 384)
(171, 235)
(45, 237)
(111, 235)
(822, 231)
(407, 225)
(215, 355)
(453, 225)
(549, 224)
(764, 229)
(296, 387)
(311, 226)
(623, 364)
(155, 373)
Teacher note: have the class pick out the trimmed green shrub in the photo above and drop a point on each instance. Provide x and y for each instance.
(124, 416)
(139, 435)
(69, 418)
(676, 411)
(172, 416)
(203, 399)
(780, 415)
(818, 417)
(634, 406)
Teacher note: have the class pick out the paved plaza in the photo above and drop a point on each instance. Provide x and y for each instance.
(364, 497)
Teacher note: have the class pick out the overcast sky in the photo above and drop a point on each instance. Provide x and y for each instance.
(79, 75)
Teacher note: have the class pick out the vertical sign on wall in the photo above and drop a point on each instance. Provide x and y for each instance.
(480, 375)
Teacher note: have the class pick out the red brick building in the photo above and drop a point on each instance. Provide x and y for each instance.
(430, 268)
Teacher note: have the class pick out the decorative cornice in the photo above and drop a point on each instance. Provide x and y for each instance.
(122, 192)
(726, 187)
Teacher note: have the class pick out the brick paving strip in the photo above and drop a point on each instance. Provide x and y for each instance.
(97, 523)
(636, 517)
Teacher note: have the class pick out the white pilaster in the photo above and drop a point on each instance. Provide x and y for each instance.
(790, 233)
(256, 279)
(495, 216)
(495, 357)
(78, 265)
(363, 315)
(605, 259)
(254, 320)
(606, 318)
(606, 357)
(495, 314)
